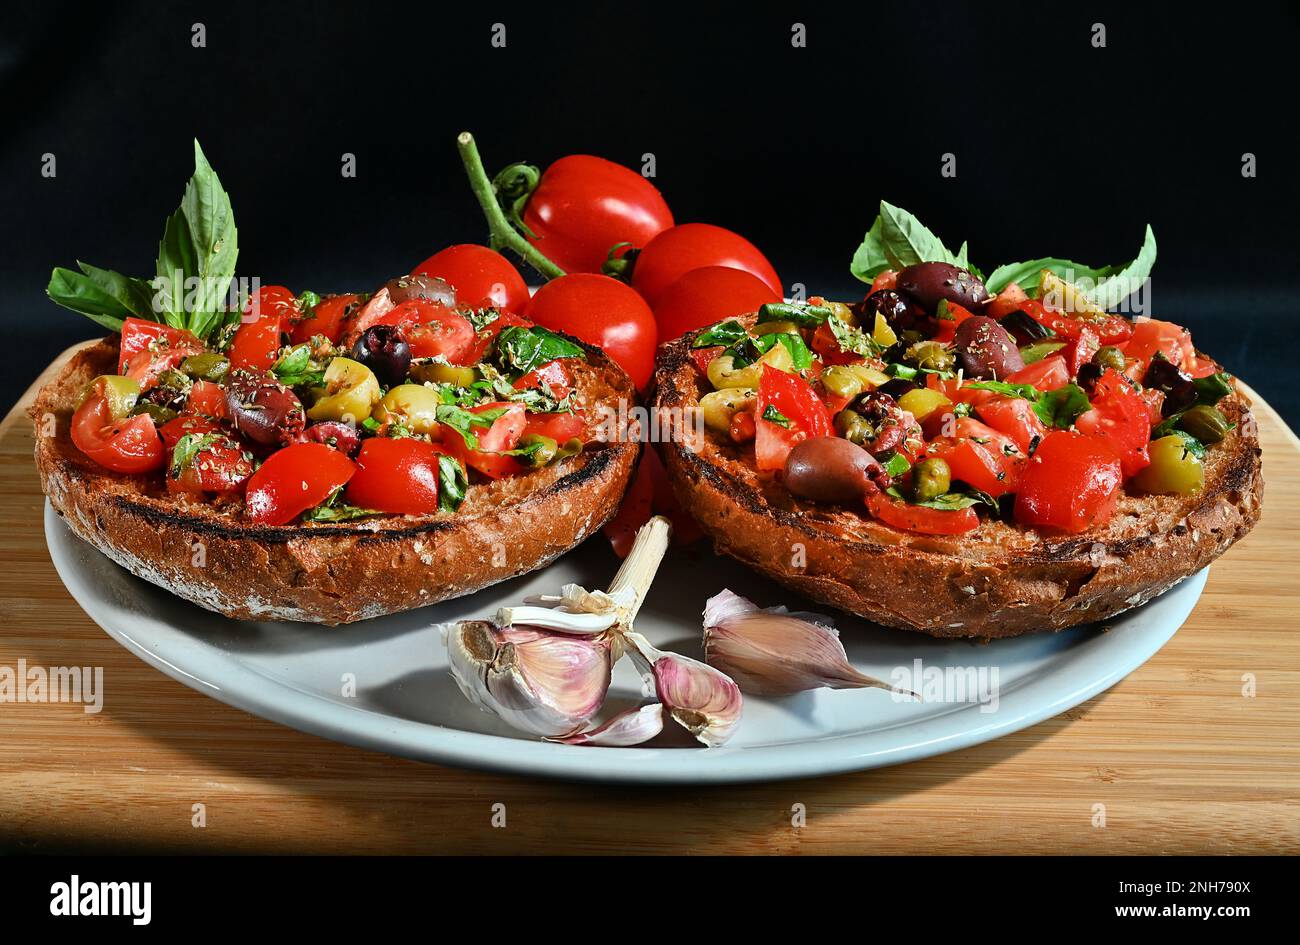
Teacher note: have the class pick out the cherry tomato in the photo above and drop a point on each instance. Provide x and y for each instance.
(126, 445)
(554, 374)
(1151, 336)
(207, 399)
(293, 480)
(1014, 417)
(140, 335)
(430, 328)
(396, 475)
(560, 427)
(918, 518)
(328, 317)
(1071, 483)
(678, 250)
(1120, 417)
(496, 440)
(887, 279)
(172, 431)
(269, 313)
(604, 312)
(220, 466)
(706, 296)
(584, 205)
(945, 329)
(1048, 374)
(480, 276)
(825, 345)
(792, 398)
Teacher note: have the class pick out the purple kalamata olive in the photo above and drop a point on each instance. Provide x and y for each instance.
(1179, 388)
(928, 283)
(832, 469)
(884, 430)
(404, 288)
(897, 387)
(901, 314)
(335, 433)
(1024, 329)
(383, 349)
(986, 349)
(262, 409)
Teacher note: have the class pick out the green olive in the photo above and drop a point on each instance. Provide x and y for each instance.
(776, 328)
(930, 355)
(723, 372)
(931, 478)
(414, 406)
(159, 414)
(1174, 469)
(719, 406)
(1109, 357)
(351, 392)
(853, 427)
(1206, 423)
(120, 392)
(842, 382)
(440, 373)
(208, 366)
(543, 454)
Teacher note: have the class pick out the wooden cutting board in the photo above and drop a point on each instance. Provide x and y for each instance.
(1174, 759)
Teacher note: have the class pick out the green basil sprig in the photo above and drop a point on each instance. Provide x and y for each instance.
(522, 349)
(723, 333)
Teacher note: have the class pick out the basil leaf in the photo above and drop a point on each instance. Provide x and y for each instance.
(1032, 354)
(90, 296)
(308, 301)
(452, 483)
(1026, 391)
(801, 313)
(799, 352)
(723, 333)
(1056, 408)
(772, 415)
(1212, 389)
(189, 446)
(906, 241)
(214, 240)
(949, 501)
(522, 349)
(338, 513)
(1191, 443)
(1113, 283)
(870, 260)
(463, 422)
(1122, 282)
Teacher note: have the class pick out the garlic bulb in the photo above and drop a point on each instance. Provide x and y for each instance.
(776, 653)
(627, 728)
(701, 699)
(536, 680)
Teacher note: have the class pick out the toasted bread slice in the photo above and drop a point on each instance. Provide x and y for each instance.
(329, 573)
(1001, 580)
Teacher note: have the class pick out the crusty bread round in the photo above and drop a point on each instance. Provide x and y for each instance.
(1001, 580)
(329, 573)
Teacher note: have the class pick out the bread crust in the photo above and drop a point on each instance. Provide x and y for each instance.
(1001, 580)
(328, 573)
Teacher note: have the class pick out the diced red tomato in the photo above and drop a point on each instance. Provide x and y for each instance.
(918, 518)
(980, 456)
(484, 338)
(221, 466)
(255, 345)
(1151, 336)
(140, 335)
(500, 438)
(293, 480)
(794, 398)
(1015, 418)
(1009, 300)
(207, 399)
(1202, 367)
(1109, 329)
(1121, 418)
(396, 475)
(1155, 401)
(1048, 374)
(703, 356)
(1071, 483)
(327, 318)
(126, 445)
(945, 329)
(886, 279)
(560, 427)
(554, 374)
(824, 344)
(272, 303)
(1079, 350)
(174, 429)
(954, 391)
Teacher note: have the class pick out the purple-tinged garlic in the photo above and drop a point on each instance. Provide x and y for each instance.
(698, 697)
(631, 727)
(776, 653)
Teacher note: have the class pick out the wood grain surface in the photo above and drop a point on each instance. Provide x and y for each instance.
(1181, 759)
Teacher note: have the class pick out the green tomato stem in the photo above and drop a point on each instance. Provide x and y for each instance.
(502, 234)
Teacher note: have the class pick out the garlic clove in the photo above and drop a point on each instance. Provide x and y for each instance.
(625, 729)
(536, 680)
(554, 618)
(775, 653)
(701, 699)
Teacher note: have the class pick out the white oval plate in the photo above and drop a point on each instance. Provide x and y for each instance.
(406, 702)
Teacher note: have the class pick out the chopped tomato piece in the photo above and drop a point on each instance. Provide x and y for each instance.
(1079, 350)
(1011, 299)
(886, 279)
(126, 445)
(293, 480)
(1071, 483)
(488, 334)
(980, 456)
(174, 429)
(1109, 329)
(955, 392)
(206, 399)
(554, 374)
(493, 442)
(787, 412)
(1121, 418)
(1151, 336)
(328, 318)
(918, 518)
(1048, 374)
(396, 475)
(560, 427)
(703, 356)
(140, 335)
(1015, 418)
(220, 466)
(945, 329)
(828, 348)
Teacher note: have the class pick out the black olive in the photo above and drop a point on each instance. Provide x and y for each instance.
(900, 313)
(1179, 388)
(1089, 375)
(419, 286)
(897, 387)
(383, 349)
(986, 349)
(1024, 329)
(263, 410)
(928, 283)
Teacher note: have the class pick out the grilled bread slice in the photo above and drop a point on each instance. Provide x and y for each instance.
(1001, 580)
(329, 573)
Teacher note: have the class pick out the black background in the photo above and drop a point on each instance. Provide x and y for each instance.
(1062, 148)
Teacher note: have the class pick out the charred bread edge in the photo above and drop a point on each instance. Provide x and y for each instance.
(912, 582)
(338, 573)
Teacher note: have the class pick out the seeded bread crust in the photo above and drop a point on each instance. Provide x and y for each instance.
(1001, 580)
(328, 573)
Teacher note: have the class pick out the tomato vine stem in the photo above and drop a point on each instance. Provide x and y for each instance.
(502, 234)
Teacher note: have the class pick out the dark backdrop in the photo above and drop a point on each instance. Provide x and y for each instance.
(1062, 148)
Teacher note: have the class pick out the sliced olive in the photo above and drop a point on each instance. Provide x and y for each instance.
(1207, 424)
(930, 478)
